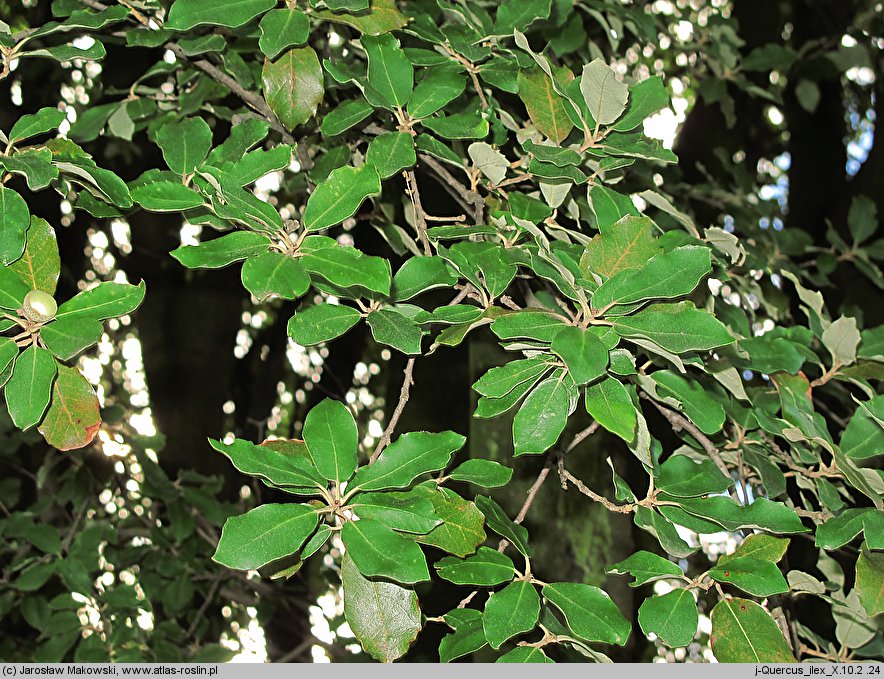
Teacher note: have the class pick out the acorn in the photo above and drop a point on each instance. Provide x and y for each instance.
(39, 307)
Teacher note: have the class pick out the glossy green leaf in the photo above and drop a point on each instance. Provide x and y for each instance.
(646, 567)
(282, 28)
(440, 86)
(537, 325)
(393, 329)
(35, 165)
(67, 337)
(468, 636)
(264, 534)
(105, 300)
(391, 153)
(165, 196)
(458, 126)
(14, 221)
(29, 389)
(185, 144)
(675, 327)
(390, 73)
(583, 353)
(501, 524)
(344, 116)
(683, 477)
(30, 125)
(626, 244)
(669, 274)
(407, 458)
(870, 581)
(483, 473)
(486, 568)
(13, 289)
(609, 403)
(839, 530)
(406, 512)
(520, 14)
(274, 274)
(383, 17)
(385, 617)
(763, 514)
(378, 551)
(743, 632)
(501, 380)
(542, 417)
(73, 418)
(39, 266)
(673, 617)
(277, 467)
(419, 274)
(524, 654)
(185, 14)
(331, 437)
(513, 610)
(756, 576)
(462, 527)
(293, 86)
(321, 323)
(339, 196)
(589, 612)
(758, 546)
(665, 532)
(222, 251)
(645, 99)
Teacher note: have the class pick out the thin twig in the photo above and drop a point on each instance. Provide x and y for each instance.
(210, 597)
(420, 220)
(468, 199)
(582, 487)
(397, 413)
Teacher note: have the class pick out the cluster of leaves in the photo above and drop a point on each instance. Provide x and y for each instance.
(596, 301)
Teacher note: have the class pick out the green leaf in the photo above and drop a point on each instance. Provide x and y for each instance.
(331, 437)
(30, 125)
(545, 107)
(462, 528)
(222, 251)
(13, 289)
(501, 524)
(542, 417)
(166, 196)
(682, 477)
(763, 514)
(40, 265)
(383, 17)
(384, 617)
(863, 437)
(407, 458)
(486, 568)
(390, 73)
(533, 324)
(842, 338)
(185, 14)
(583, 353)
(665, 532)
(105, 300)
(391, 153)
(29, 389)
(758, 577)
(673, 617)
(483, 473)
(67, 337)
(646, 567)
(458, 126)
(393, 329)
(604, 94)
(275, 466)
(73, 418)
(419, 274)
(264, 534)
(321, 323)
(440, 86)
(609, 403)
(185, 144)
(589, 612)
(14, 221)
(743, 632)
(645, 99)
(770, 354)
(841, 529)
(870, 581)
(611, 207)
(347, 267)
(501, 380)
(862, 218)
(406, 512)
(344, 116)
(35, 165)
(8, 353)
(670, 274)
(524, 654)
(491, 162)
(758, 546)
(282, 28)
(468, 637)
(519, 14)
(675, 327)
(627, 244)
(274, 274)
(293, 86)
(339, 196)
(513, 610)
(379, 551)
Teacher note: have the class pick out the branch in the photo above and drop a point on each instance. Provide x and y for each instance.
(469, 200)
(679, 422)
(397, 413)
(605, 502)
(420, 218)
